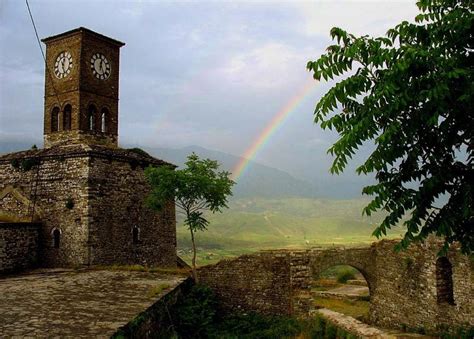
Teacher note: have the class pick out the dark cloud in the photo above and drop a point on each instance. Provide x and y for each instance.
(211, 74)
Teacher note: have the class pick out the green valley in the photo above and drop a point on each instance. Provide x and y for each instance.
(263, 223)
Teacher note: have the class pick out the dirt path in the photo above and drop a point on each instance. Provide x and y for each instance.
(363, 330)
(349, 290)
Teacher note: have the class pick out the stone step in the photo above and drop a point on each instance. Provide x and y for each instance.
(361, 329)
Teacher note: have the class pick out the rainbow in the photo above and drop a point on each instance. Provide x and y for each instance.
(277, 121)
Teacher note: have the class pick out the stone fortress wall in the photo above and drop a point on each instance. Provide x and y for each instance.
(93, 196)
(407, 289)
(117, 207)
(18, 246)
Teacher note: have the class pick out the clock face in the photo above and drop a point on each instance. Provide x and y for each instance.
(63, 65)
(100, 66)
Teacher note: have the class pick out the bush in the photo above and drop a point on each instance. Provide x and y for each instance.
(195, 316)
(195, 313)
(345, 275)
(253, 325)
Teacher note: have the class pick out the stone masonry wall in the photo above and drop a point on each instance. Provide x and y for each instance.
(258, 282)
(403, 285)
(94, 196)
(80, 88)
(18, 246)
(406, 293)
(116, 195)
(58, 181)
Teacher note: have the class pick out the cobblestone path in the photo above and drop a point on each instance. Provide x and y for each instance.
(87, 303)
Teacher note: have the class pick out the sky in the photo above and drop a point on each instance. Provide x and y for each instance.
(212, 74)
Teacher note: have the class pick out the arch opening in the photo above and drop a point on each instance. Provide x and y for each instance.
(103, 119)
(55, 119)
(91, 115)
(341, 288)
(136, 234)
(56, 234)
(67, 117)
(444, 281)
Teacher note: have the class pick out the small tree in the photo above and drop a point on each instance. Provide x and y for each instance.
(412, 93)
(196, 188)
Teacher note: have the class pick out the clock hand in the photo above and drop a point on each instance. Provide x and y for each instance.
(102, 67)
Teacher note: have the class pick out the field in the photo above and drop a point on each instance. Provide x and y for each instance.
(253, 224)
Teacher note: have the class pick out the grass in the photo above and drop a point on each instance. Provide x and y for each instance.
(324, 284)
(197, 316)
(140, 268)
(252, 224)
(157, 290)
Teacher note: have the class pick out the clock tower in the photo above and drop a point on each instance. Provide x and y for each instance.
(81, 89)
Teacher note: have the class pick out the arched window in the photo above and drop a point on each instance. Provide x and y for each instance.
(104, 115)
(55, 119)
(136, 234)
(56, 237)
(67, 117)
(444, 281)
(91, 117)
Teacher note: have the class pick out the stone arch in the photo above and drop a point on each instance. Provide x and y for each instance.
(56, 234)
(91, 117)
(67, 116)
(136, 234)
(444, 281)
(104, 119)
(15, 206)
(55, 119)
(360, 259)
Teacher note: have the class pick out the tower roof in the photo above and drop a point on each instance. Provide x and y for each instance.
(83, 30)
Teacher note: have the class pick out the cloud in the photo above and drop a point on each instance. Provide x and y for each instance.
(357, 17)
(193, 73)
(271, 66)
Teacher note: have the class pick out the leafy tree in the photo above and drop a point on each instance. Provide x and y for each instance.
(196, 188)
(411, 92)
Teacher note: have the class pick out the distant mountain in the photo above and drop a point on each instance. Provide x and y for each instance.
(258, 181)
(7, 146)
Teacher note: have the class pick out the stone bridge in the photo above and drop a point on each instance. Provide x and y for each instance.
(413, 288)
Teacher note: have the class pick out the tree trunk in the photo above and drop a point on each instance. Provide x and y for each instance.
(194, 256)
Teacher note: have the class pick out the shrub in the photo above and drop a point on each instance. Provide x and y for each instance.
(195, 313)
(253, 325)
(345, 275)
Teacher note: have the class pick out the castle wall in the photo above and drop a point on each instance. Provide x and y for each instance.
(95, 200)
(58, 183)
(76, 137)
(405, 287)
(117, 192)
(406, 293)
(18, 246)
(259, 282)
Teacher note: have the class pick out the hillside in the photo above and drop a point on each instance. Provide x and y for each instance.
(269, 209)
(259, 181)
(260, 223)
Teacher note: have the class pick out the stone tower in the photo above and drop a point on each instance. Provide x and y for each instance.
(81, 88)
(85, 193)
